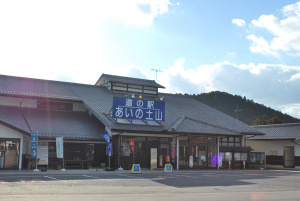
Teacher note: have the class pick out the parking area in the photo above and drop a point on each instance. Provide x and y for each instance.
(179, 185)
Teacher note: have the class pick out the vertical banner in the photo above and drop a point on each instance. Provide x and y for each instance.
(191, 161)
(59, 147)
(107, 139)
(132, 146)
(34, 144)
(173, 151)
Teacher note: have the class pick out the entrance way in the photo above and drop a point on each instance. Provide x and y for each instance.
(9, 153)
(201, 156)
(289, 156)
(196, 152)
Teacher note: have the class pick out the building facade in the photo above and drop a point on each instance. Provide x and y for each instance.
(281, 144)
(192, 134)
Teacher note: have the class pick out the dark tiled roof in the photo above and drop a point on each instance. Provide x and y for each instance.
(130, 80)
(175, 107)
(51, 124)
(26, 87)
(99, 101)
(278, 132)
(13, 117)
(190, 125)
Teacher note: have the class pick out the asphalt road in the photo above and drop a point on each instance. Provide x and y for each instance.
(180, 185)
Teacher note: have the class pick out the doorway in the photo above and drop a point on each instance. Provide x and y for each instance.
(9, 153)
(289, 156)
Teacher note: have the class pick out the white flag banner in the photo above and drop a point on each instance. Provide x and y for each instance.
(59, 147)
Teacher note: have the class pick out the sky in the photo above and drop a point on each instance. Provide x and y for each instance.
(249, 48)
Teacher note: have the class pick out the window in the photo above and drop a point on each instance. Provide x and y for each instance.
(134, 88)
(230, 141)
(54, 105)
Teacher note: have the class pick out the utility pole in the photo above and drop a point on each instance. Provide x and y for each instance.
(156, 70)
(237, 112)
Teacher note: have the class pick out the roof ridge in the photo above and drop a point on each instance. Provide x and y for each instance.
(277, 125)
(177, 123)
(45, 80)
(103, 74)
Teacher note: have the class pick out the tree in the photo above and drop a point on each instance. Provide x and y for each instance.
(260, 120)
(274, 120)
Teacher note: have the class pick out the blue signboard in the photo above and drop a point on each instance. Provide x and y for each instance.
(34, 144)
(133, 108)
(107, 139)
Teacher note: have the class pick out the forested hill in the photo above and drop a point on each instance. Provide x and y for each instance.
(250, 112)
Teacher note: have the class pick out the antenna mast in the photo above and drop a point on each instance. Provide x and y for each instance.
(237, 112)
(156, 70)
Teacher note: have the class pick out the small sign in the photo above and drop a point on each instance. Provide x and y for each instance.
(34, 144)
(42, 153)
(153, 159)
(191, 161)
(161, 160)
(168, 168)
(136, 169)
(59, 147)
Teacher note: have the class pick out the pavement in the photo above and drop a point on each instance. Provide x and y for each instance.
(98, 184)
(143, 170)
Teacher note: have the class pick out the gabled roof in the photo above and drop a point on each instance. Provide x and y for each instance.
(175, 107)
(127, 80)
(51, 124)
(190, 125)
(199, 118)
(278, 132)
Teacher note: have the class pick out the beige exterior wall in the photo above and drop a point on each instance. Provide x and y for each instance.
(269, 146)
(11, 101)
(32, 103)
(79, 107)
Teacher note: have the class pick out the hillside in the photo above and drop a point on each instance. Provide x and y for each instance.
(250, 111)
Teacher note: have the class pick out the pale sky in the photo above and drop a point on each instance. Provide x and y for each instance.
(249, 48)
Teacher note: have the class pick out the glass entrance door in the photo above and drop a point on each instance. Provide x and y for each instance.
(9, 154)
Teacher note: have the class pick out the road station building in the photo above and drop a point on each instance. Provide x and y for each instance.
(191, 133)
(281, 144)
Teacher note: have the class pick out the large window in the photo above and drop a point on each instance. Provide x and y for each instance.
(230, 141)
(134, 88)
(54, 105)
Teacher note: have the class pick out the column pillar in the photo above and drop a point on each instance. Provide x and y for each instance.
(177, 147)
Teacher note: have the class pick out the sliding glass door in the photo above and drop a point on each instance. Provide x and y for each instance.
(9, 153)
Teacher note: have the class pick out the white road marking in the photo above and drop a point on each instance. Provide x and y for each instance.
(125, 175)
(91, 177)
(51, 178)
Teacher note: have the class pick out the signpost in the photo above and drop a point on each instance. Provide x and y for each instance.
(132, 147)
(191, 161)
(34, 145)
(107, 139)
(136, 169)
(173, 151)
(60, 150)
(153, 159)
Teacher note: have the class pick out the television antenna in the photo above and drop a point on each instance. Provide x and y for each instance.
(237, 112)
(156, 70)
